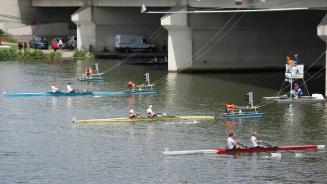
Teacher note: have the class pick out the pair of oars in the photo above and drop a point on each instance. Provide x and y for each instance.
(278, 154)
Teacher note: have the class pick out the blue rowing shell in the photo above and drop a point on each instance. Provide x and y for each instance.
(243, 115)
(92, 80)
(107, 93)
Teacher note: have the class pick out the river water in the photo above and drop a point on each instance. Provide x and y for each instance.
(40, 144)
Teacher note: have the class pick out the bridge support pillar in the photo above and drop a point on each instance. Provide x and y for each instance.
(322, 33)
(179, 41)
(86, 28)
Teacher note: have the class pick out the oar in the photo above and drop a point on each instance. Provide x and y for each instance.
(242, 144)
(273, 155)
(161, 114)
(268, 144)
(295, 154)
(186, 152)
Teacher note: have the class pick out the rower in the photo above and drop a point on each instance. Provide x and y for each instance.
(150, 112)
(69, 88)
(88, 72)
(131, 84)
(54, 88)
(230, 107)
(255, 142)
(132, 114)
(231, 142)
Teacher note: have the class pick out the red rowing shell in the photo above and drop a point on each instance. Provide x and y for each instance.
(249, 150)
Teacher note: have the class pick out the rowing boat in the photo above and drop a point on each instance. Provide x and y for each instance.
(294, 73)
(97, 77)
(233, 111)
(245, 150)
(94, 79)
(148, 119)
(268, 149)
(106, 93)
(241, 115)
(315, 98)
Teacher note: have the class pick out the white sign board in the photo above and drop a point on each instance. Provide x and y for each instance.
(294, 71)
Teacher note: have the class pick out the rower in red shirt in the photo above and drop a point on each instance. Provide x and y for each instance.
(88, 72)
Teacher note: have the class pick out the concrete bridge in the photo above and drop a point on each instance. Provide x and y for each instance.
(196, 41)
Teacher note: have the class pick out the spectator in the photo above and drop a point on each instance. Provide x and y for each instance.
(25, 46)
(20, 46)
(54, 46)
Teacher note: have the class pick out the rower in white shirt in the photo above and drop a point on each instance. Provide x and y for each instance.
(150, 112)
(132, 114)
(69, 88)
(231, 142)
(255, 142)
(54, 88)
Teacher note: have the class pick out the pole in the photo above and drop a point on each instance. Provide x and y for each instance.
(291, 81)
(251, 99)
(97, 67)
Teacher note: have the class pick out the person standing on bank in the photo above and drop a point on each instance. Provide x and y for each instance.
(25, 46)
(20, 46)
(54, 46)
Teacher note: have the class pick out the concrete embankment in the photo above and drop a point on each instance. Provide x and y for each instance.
(121, 55)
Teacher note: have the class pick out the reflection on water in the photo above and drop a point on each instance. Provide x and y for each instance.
(229, 126)
(131, 101)
(39, 144)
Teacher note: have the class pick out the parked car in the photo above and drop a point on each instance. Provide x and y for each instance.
(39, 42)
(61, 43)
(128, 43)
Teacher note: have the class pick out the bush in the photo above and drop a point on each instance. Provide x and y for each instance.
(34, 54)
(54, 55)
(8, 54)
(6, 37)
(79, 53)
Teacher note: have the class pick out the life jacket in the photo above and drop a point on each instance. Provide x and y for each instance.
(289, 61)
(88, 70)
(130, 84)
(230, 106)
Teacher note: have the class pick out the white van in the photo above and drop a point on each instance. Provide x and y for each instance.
(128, 43)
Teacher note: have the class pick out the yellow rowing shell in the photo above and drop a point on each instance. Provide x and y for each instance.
(146, 119)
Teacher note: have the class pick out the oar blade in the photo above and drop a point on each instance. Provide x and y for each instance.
(188, 152)
(320, 146)
(276, 155)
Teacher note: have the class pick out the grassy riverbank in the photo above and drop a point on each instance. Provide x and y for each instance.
(79, 53)
(13, 53)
